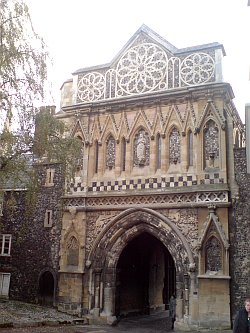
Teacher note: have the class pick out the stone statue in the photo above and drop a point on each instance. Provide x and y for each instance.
(141, 148)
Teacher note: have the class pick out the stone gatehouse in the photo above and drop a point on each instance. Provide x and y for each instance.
(158, 204)
(147, 213)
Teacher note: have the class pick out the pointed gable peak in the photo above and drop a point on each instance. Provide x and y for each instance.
(159, 39)
(145, 31)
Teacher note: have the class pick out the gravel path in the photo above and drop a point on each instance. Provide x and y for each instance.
(17, 312)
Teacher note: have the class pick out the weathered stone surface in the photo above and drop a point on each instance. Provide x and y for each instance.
(239, 230)
(35, 248)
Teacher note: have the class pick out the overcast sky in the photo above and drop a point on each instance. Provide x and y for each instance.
(81, 33)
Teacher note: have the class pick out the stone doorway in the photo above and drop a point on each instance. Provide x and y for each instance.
(145, 277)
(46, 289)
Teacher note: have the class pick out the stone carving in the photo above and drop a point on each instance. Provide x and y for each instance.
(72, 251)
(146, 67)
(213, 260)
(164, 199)
(110, 155)
(211, 136)
(174, 147)
(197, 68)
(91, 87)
(96, 223)
(142, 68)
(188, 224)
(141, 149)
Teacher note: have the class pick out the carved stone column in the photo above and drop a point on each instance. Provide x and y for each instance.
(97, 278)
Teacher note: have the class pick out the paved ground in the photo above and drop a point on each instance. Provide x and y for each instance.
(18, 317)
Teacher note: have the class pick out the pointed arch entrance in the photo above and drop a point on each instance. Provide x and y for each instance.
(145, 277)
(117, 242)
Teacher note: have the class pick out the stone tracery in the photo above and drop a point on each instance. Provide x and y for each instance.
(144, 68)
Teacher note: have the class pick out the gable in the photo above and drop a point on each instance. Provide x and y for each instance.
(148, 64)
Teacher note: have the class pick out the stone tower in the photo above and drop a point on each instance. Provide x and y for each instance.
(146, 215)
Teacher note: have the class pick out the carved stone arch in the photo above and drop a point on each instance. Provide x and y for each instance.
(78, 131)
(108, 127)
(139, 122)
(213, 230)
(120, 229)
(105, 253)
(211, 112)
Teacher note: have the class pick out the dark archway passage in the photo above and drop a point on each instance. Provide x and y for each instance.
(46, 289)
(145, 277)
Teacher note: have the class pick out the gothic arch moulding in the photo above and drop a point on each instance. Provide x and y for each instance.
(123, 228)
(213, 246)
(210, 111)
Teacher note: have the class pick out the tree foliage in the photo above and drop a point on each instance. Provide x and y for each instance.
(23, 76)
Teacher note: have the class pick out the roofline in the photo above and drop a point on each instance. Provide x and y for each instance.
(170, 47)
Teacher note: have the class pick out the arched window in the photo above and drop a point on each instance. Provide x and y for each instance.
(174, 147)
(190, 149)
(96, 156)
(72, 252)
(213, 260)
(158, 151)
(123, 154)
(110, 153)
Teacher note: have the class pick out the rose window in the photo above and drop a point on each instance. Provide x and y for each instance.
(142, 69)
(91, 87)
(197, 68)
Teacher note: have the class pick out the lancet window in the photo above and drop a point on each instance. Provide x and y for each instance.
(190, 148)
(96, 156)
(123, 154)
(158, 151)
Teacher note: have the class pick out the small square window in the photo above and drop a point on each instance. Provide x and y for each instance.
(48, 218)
(5, 245)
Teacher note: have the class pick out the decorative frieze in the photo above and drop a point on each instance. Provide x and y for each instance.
(153, 199)
(152, 183)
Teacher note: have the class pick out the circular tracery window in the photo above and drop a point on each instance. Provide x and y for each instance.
(197, 68)
(91, 87)
(142, 69)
